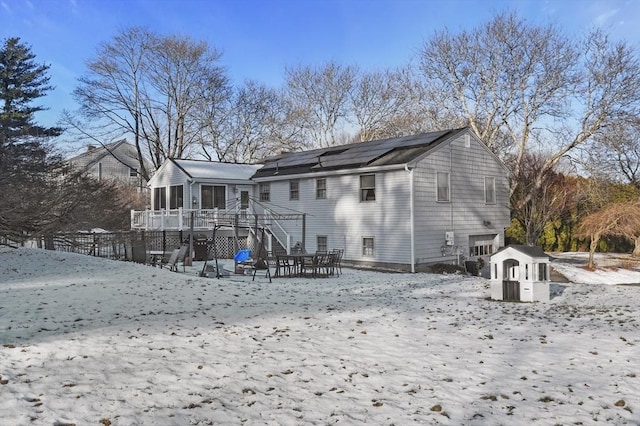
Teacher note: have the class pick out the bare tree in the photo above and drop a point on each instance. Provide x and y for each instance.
(549, 200)
(318, 100)
(616, 153)
(150, 86)
(379, 101)
(247, 128)
(533, 86)
(619, 219)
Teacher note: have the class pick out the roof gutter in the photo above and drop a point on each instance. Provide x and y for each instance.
(343, 172)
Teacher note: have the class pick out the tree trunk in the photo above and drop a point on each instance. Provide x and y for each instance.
(592, 249)
(636, 248)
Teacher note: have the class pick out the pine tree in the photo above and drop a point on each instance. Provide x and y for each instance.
(29, 170)
(22, 81)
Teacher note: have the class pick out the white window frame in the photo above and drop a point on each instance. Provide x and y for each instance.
(367, 191)
(439, 177)
(489, 190)
(159, 198)
(294, 193)
(322, 243)
(368, 246)
(218, 200)
(482, 245)
(265, 191)
(175, 201)
(321, 191)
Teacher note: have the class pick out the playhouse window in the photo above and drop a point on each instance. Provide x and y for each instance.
(542, 271)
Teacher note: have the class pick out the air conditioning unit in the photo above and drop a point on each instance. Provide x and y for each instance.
(448, 238)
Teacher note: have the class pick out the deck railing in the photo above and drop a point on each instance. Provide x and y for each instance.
(180, 219)
(204, 219)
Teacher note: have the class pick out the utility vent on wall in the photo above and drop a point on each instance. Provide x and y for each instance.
(467, 141)
(448, 238)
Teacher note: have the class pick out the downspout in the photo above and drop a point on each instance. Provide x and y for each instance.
(191, 182)
(451, 186)
(411, 219)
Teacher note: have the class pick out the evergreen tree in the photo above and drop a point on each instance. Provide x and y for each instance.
(22, 81)
(29, 170)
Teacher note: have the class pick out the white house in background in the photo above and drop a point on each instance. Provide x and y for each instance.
(180, 187)
(402, 203)
(520, 273)
(114, 161)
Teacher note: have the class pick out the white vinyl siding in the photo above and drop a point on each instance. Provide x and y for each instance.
(467, 213)
(342, 218)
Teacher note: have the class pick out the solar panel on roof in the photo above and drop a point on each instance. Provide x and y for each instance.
(351, 154)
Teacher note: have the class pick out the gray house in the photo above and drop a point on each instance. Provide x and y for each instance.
(114, 161)
(401, 203)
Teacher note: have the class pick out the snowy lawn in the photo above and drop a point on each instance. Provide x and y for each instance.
(91, 341)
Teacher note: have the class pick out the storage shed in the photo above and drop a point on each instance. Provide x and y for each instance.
(520, 273)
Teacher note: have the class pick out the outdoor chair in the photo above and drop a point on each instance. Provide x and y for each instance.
(261, 265)
(326, 264)
(285, 264)
(177, 256)
(338, 260)
(309, 266)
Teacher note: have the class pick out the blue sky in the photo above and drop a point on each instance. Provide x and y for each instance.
(259, 38)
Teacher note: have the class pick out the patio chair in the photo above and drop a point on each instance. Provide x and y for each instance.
(338, 260)
(261, 265)
(309, 265)
(177, 256)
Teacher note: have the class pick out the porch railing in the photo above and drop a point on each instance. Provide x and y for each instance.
(204, 219)
(180, 219)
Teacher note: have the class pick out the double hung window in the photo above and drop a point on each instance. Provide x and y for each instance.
(367, 187)
(321, 188)
(443, 183)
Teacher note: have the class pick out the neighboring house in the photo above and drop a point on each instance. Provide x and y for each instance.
(113, 161)
(402, 203)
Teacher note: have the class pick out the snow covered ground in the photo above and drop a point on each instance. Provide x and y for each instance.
(91, 341)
